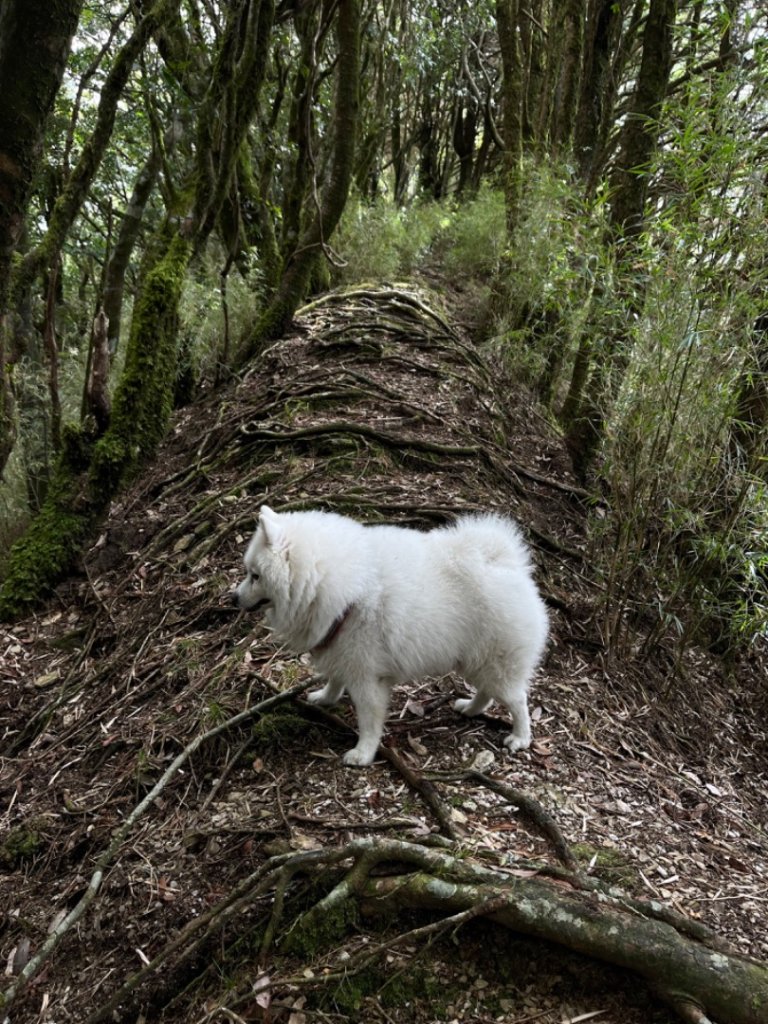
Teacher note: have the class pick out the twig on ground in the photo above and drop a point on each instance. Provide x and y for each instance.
(120, 835)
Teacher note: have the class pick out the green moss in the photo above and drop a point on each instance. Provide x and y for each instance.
(283, 727)
(610, 865)
(144, 397)
(21, 845)
(318, 931)
(46, 552)
(112, 458)
(393, 989)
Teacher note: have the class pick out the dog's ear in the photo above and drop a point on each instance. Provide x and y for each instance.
(274, 534)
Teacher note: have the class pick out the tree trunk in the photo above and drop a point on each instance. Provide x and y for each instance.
(35, 39)
(229, 108)
(127, 235)
(608, 45)
(465, 139)
(300, 131)
(512, 104)
(567, 88)
(639, 138)
(299, 267)
(629, 184)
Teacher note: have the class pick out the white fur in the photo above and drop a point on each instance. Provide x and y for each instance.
(457, 598)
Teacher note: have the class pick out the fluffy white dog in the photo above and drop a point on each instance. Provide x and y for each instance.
(378, 605)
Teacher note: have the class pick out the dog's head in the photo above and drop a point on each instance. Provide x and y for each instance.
(267, 576)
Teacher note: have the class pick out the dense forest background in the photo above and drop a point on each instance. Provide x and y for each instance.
(398, 260)
(175, 177)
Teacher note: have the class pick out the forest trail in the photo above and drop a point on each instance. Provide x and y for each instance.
(374, 405)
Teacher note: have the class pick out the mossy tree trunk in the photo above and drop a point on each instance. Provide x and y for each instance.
(35, 38)
(127, 236)
(302, 262)
(91, 469)
(143, 400)
(512, 103)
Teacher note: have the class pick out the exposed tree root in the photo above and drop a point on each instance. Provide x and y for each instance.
(401, 423)
(695, 980)
(398, 442)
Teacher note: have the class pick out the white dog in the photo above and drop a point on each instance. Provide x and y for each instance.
(378, 605)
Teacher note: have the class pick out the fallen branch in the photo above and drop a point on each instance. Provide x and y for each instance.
(533, 810)
(119, 837)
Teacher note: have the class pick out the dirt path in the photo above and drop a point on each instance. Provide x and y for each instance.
(376, 407)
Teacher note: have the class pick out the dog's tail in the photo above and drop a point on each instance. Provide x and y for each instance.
(497, 539)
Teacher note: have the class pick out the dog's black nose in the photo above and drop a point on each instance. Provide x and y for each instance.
(233, 598)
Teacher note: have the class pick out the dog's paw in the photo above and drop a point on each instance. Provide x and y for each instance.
(462, 704)
(322, 697)
(514, 743)
(358, 758)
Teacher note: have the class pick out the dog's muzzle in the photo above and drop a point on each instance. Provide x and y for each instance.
(234, 598)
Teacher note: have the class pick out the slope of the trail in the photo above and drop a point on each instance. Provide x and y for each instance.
(374, 406)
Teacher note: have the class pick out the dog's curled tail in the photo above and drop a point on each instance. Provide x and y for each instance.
(497, 539)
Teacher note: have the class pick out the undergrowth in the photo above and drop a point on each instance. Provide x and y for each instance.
(679, 539)
(680, 532)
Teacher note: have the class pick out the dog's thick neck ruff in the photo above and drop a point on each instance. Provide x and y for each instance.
(333, 632)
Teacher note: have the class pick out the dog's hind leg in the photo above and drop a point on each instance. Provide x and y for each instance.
(516, 699)
(371, 700)
(510, 688)
(331, 693)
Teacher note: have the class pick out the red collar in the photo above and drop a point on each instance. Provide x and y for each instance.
(333, 632)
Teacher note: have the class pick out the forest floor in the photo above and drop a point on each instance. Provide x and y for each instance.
(373, 406)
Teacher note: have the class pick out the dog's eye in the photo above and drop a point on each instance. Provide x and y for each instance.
(253, 577)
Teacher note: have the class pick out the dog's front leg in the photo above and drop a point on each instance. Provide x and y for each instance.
(371, 701)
